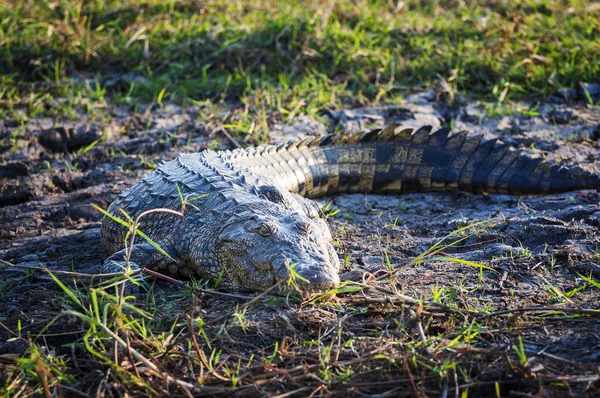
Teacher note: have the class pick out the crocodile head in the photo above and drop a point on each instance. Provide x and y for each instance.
(257, 246)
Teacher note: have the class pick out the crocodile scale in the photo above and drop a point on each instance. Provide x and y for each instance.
(247, 213)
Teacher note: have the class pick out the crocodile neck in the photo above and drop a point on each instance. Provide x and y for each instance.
(392, 161)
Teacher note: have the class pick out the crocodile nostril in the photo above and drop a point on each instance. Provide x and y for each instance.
(303, 227)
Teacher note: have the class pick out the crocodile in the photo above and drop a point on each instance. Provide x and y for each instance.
(248, 218)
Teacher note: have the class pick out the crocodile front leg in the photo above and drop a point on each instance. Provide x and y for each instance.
(308, 206)
(143, 255)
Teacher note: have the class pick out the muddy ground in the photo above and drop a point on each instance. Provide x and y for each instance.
(538, 247)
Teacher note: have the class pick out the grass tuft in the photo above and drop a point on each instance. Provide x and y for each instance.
(294, 58)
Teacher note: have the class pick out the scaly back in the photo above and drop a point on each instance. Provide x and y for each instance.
(393, 160)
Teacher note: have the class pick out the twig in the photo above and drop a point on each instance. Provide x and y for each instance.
(135, 369)
(501, 351)
(68, 273)
(80, 275)
(248, 304)
(594, 313)
(155, 369)
(228, 136)
(199, 352)
(445, 388)
(164, 277)
(24, 271)
(74, 391)
(397, 298)
(8, 104)
(207, 291)
(559, 359)
(379, 383)
(224, 294)
(421, 331)
(412, 379)
(44, 381)
(567, 379)
(290, 393)
(7, 329)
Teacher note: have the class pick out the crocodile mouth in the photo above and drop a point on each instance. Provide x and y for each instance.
(318, 291)
(234, 247)
(264, 268)
(308, 292)
(317, 283)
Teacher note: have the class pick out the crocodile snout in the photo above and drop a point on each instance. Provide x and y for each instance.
(310, 274)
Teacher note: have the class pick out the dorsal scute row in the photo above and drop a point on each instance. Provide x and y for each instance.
(390, 133)
(209, 166)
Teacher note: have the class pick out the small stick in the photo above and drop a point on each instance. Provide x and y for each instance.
(290, 393)
(207, 291)
(116, 274)
(7, 329)
(564, 379)
(229, 137)
(67, 273)
(420, 330)
(153, 369)
(199, 352)
(164, 277)
(248, 304)
(44, 381)
(397, 298)
(595, 313)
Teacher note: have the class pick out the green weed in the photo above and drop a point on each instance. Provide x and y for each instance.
(290, 58)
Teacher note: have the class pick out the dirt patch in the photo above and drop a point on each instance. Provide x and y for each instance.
(540, 250)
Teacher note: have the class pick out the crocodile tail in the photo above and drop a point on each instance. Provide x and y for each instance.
(394, 160)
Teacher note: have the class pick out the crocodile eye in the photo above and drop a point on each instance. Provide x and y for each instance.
(265, 231)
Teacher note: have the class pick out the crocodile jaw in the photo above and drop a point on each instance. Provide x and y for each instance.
(297, 253)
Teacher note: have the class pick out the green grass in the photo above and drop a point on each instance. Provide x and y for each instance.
(189, 344)
(248, 62)
(287, 58)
